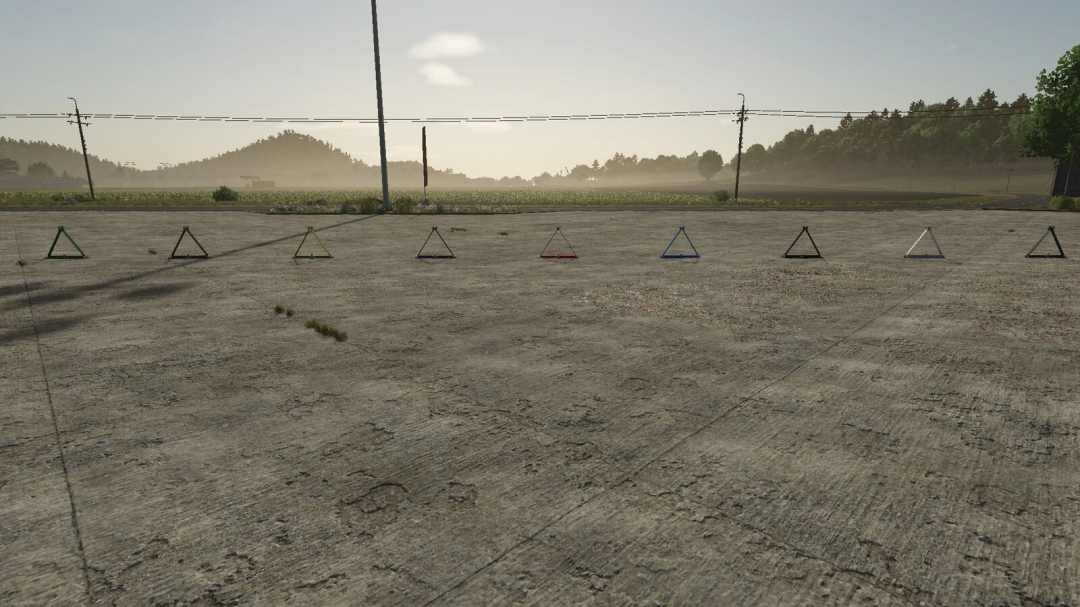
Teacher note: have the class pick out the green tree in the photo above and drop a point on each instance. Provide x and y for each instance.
(709, 164)
(40, 169)
(8, 167)
(581, 172)
(1054, 123)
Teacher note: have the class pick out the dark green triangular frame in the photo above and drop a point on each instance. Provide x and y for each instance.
(311, 231)
(60, 230)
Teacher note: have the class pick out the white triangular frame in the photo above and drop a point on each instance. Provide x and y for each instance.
(939, 255)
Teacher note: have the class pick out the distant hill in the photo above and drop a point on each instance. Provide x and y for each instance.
(287, 157)
(290, 159)
(60, 158)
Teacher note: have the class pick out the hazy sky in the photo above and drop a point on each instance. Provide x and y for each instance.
(502, 57)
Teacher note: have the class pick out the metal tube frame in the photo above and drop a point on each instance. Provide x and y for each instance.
(805, 230)
(435, 230)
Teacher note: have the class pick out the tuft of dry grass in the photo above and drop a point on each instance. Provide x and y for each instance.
(458, 230)
(504, 233)
(326, 330)
(153, 251)
(279, 309)
(289, 312)
(21, 262)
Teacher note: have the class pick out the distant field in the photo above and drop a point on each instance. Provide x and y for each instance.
(452, 200)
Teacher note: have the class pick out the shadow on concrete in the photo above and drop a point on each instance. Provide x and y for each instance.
(155, 291)
(71, 293)
(19, 289)
(44, 327)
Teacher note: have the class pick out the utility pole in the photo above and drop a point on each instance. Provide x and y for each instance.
(382, 126)
(738, 162)
(86, 159)
(423, 145)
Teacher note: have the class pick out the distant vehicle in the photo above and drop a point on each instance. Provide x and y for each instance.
(255, 182)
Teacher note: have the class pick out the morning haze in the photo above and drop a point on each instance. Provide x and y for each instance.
(620, 341)
(502, 59)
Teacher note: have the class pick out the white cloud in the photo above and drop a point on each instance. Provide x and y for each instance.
(448, 44)
(488, 127)
(951, 48)
(441, 74)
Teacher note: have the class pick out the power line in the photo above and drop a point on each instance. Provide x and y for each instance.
(829, 114)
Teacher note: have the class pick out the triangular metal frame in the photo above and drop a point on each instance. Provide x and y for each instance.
(60, 230)
(311, 231)
(1051, 232)
(420, 254)
(188, 232)
(665, 255)
(573, 254)
(939, 255)
(817, 253)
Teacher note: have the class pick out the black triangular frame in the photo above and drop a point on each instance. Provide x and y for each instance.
(1061, 252)
(805, 230)
(420, 254)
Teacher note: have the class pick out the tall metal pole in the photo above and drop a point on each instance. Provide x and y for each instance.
(382, 126)
(738, 161)
(86, 158)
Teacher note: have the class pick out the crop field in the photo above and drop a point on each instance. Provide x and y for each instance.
(373, 428)
(467, 200)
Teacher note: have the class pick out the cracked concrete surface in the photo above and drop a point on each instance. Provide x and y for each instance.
(500, 429)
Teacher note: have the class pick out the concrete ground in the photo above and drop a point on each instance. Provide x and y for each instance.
(501, 429)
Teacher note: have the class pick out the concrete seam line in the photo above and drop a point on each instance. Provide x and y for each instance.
(788, 545)
(633, 476)
(813, 357)
(790, 373)
(528, 538)
(56, 432)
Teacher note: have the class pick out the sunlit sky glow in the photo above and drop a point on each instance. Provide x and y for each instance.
(493, 57)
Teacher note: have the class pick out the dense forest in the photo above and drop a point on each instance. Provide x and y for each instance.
(975, 132)
(981, 131)
(58, 157)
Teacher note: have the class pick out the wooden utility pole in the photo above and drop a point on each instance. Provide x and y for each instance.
(738, 161)
(86, 158)
(378, 96)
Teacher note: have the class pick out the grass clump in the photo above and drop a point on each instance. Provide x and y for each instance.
(21, 262)
(1063, 203)
(326, 330)
(721, 196)
(289, 312)
(279, 309)
(458, 230)
(504, 233)
(153, 251)
(369, 206)
(225, 194)
(403, 205)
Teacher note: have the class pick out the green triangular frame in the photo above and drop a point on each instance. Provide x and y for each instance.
(60, 230)
(311, 231)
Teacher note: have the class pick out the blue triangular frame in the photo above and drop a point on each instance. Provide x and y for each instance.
(682, 230)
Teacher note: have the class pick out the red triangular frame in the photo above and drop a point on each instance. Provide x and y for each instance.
(558, 231)
(188, 232)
